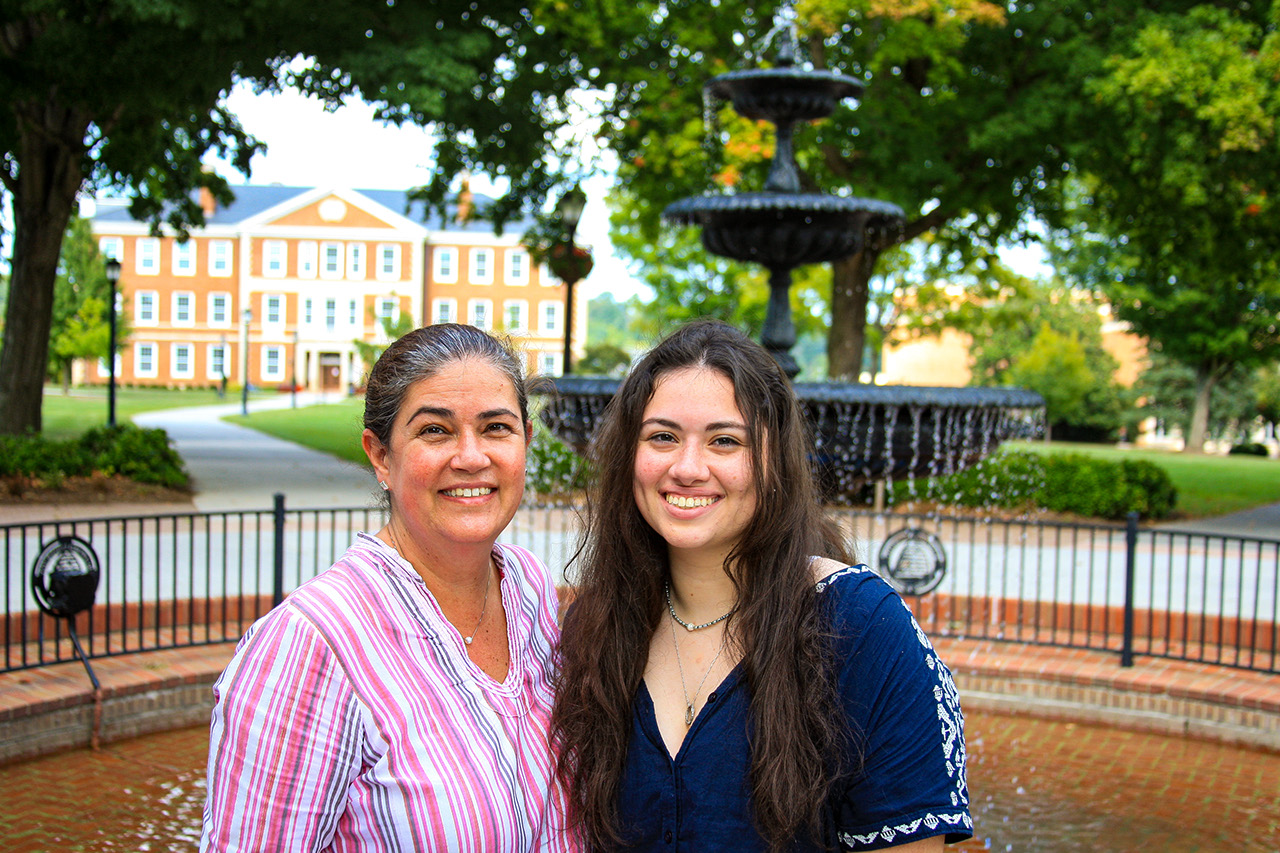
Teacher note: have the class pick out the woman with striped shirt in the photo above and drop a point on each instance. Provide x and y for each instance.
(401, 700)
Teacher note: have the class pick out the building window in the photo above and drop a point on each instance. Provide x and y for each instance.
(103, 373)
(272, 363)
(144, 361)
(353, 315)
(482, 266)
(331, 260)
(275, 258)
(355, 260)
(220, 258)
(111, 247)
(144, 308)
(517, 266)
(181, 368)
(218, 361)
(148, 261)
(515, 312)
(446, 265)
(219, 309)
(273, 303)
(184, 258)
(306, 311)
(330, 314)
(550, 312)
(183, 314)
(444, 310)
(481, 313)
(549, 363)
(308, 253)
(388, 262)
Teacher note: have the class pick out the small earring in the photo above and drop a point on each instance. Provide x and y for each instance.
(385, 487)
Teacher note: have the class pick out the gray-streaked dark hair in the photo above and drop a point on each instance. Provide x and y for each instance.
(421, 354)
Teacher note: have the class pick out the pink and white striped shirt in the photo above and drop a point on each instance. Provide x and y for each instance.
(351, 719)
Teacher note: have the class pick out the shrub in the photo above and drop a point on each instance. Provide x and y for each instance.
(1248, 448)
(143, 455)
(553, 469)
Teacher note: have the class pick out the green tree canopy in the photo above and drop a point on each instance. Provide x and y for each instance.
(81, 299)
(1177, 226)
(129, 96)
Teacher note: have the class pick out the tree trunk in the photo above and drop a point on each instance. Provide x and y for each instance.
(49, 175)
(1206, 378)
(850, 291)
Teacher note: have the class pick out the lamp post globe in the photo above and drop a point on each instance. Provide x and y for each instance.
(113, 279)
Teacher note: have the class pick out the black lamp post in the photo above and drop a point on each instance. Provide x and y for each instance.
(113, 278)
(570, 263)
(244, 392)
(293, 370)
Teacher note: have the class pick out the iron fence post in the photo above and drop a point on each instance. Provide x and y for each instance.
(1130, 569)
(277, 578)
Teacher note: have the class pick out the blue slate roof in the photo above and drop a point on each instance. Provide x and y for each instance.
(253, 199)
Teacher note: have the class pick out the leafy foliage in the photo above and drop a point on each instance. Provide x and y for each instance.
(142, 455)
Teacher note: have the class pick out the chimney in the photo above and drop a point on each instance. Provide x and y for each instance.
(465, 203)
(208, 203)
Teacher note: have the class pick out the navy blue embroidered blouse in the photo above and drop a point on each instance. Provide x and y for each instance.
(900, 701)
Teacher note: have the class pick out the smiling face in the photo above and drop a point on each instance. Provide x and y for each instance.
(456, 459)
(693, 479)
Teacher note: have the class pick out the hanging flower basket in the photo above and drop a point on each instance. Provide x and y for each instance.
(569, 262)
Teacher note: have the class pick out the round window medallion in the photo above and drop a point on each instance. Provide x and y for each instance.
(333, 210)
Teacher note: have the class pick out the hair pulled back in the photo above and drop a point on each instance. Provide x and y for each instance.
(620, 573)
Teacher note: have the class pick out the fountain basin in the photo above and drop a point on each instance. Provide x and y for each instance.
(784, 94)
(862, 433)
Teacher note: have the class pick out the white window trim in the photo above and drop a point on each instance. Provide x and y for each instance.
(393, 275)
(138, 319)
(357, 255)
(278, 324)
(137, 360)
(111, 247)
(191, 309)
(101, 365)
(334, 274)
(209, 361)
(353, 314)
(476, 276)
(512, 275)
(330, 327)
(438, 273)
(549, 363)
(263, 362)
(148, 260)
(308, 259)
(275, 250)
(183, 251)
(451, 304)
(472, 304)
(190, 372)
(225, 322)
(221, 250)
(550, 328)
(523, 306)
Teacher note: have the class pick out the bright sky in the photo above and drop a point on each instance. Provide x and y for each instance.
(348, 148)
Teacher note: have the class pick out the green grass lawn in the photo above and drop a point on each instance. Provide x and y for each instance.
(334, 428)
(1207, 485)
(66, 416)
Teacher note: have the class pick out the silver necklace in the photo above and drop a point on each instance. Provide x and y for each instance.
(689, 703)
(688, 627)
(488, 582)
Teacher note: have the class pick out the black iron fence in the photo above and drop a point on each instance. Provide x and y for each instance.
(167, 581)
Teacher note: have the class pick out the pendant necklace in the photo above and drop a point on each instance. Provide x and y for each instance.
(488, 582)
(689, 703)
(690, 627)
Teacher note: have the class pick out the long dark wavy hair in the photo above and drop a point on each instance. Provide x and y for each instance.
(619, 574)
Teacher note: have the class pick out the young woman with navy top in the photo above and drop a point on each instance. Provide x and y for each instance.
(728, 680)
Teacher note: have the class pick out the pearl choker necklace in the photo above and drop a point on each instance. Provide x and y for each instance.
(687, 626)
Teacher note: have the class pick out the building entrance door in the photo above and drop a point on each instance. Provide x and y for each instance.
(330, 371)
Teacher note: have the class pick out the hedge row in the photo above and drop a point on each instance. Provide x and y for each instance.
(1060, 482)
(142, 455)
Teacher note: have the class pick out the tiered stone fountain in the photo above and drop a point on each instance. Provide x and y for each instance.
(863, 433)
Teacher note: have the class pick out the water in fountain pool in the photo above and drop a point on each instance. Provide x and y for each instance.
(1035, 785)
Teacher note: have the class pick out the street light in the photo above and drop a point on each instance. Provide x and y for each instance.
(244, 392)
(569, 262)
(293, 381)
(113, 278)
